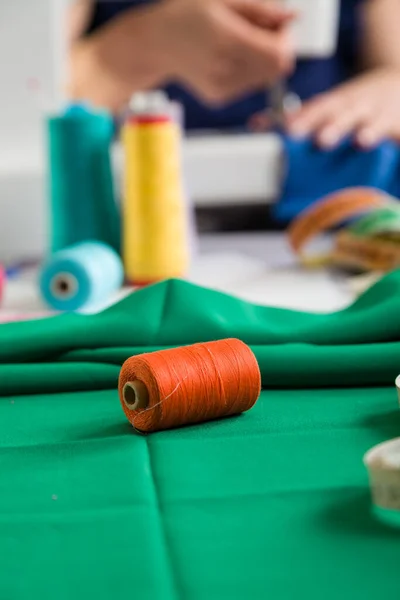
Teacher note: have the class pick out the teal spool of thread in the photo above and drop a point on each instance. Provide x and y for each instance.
(81, 277)
(82, 200)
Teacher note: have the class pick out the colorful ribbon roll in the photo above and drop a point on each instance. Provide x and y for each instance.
(369, 233)
(82, 197)
(82, 276)
(194, 384)
(155, 218)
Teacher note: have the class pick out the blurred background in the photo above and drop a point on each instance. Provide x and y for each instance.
(232, 176)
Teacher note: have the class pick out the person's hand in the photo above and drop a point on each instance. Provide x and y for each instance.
(367, 108)
(222, 49)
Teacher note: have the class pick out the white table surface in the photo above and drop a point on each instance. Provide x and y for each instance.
(256, 267)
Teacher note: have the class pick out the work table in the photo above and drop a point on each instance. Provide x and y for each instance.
(257, 267)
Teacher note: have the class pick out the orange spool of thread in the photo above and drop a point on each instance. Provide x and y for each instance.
(193, 384)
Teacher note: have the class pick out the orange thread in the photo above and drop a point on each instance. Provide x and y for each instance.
(193, 384)
(330, 211)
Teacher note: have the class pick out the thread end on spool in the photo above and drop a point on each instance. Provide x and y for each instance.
(135, 395)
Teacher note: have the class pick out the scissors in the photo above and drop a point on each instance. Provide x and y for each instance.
(281, 101)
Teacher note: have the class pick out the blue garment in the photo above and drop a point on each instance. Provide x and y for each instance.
(313, 173)
(311, 76)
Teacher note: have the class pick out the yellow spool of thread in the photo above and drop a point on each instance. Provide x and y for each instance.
(155, 228)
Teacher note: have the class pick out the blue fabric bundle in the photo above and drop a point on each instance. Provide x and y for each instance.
(311, 173)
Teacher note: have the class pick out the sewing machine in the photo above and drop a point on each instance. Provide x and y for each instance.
(219, 169)
(316, 27)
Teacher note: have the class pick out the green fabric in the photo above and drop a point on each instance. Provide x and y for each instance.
(271, 504)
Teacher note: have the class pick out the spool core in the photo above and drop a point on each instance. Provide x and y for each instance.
(64, 285)
(135, 395)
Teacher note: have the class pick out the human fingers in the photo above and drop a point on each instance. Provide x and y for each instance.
(313, 115)
(248, 59)
(373, 132)
(341, 124)
(265, 14)
(271, 52)
(227, 56)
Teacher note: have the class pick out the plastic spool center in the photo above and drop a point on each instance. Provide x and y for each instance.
(135, 395)
(64, 285)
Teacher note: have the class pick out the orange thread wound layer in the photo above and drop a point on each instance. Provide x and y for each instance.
(332, 210)
(193, 384)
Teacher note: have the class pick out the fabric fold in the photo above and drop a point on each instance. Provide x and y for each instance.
(354, 347)
(175, 312)
(285, 366)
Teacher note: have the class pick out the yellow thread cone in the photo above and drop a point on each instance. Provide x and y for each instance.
(155, 229)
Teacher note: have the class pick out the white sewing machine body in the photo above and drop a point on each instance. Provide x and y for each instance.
(219, 168)
(316, 28)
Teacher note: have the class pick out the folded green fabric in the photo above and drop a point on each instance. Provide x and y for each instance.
(294, 349)
(176, 313)
(271, 504)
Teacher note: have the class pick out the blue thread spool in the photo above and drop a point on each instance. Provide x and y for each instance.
(82, 197)
(81, 276)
